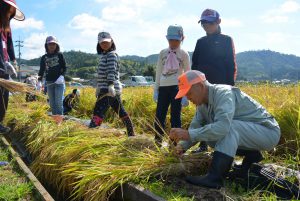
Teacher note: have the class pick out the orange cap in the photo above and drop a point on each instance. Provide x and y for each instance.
(187, 80)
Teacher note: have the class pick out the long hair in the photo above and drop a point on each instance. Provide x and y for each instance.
(100, 50)
(6, 14)
(57, 49)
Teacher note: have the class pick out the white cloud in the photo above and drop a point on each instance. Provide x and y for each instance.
(125, 20)
(119, 13)
(88, 25)
(290, 7)
(281, 13)
(34, 45)
(29, 23)
(231, 22)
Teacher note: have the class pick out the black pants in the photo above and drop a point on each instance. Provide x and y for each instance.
(101, 107)
(4, 95)
(166, 97)
(103, 104)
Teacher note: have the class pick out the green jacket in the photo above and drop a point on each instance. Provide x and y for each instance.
(225, 104)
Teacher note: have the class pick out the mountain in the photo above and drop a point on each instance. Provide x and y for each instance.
(256, 65)
(268, 65)
(252, 65)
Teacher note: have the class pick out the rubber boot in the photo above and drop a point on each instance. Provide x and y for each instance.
(220, 166)
(95, 122)
(202, 148)
(4, 129)
(128, 123)
(250, 157)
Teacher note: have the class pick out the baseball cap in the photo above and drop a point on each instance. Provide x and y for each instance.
(209, 15)
(175, 32)
(19, 15)
(104, 37)
(187, 80)
(51, 39)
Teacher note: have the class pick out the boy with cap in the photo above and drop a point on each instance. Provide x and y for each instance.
(8, 11)
(214, 54)
(172, 62)
(229, 120)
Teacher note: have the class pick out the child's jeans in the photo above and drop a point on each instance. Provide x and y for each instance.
(56, 97)
(166, 97)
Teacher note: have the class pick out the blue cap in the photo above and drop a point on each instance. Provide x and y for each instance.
(175, 32)
(209, 15)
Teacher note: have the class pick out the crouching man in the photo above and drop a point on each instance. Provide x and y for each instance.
(230, 121)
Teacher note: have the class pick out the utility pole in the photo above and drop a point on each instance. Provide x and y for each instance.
(19, 45)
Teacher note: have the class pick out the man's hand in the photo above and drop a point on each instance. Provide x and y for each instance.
(179, 150)
(177, 134)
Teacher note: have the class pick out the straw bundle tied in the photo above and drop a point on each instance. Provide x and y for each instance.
(15, 87)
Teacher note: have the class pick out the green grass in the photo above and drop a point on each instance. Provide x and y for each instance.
(13, 186)
(166, 191)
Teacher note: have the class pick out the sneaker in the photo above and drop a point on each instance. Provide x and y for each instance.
(3, 129)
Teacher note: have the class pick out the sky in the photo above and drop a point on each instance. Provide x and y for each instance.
(139, 27)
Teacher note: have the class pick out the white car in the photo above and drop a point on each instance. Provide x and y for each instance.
(134, 81)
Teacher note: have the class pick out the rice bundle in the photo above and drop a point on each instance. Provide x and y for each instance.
(15, 87)
(91, 163)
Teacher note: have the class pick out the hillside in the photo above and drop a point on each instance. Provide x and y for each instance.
(252, 65)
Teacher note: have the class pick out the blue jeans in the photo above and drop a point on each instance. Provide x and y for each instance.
(166, 97)
(56, 97)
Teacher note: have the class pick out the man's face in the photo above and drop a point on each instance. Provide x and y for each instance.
(196, 94)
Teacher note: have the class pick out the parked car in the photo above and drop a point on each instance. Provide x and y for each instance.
(134, 81)
(149, 79)
(76, 84)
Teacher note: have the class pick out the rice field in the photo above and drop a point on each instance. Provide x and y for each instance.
(91, 163)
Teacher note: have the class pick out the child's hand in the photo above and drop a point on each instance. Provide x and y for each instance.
(10, 69)
(111, 90)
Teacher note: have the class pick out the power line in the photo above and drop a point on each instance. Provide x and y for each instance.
(19, 45)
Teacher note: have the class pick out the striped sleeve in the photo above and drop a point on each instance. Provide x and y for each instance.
(112, 65)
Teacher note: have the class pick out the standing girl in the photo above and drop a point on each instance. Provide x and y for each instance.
(8, 10)
(172, 62)
(214, 54)
(54, 65)
(109, 88)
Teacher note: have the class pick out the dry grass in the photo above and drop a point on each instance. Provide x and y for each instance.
(15, 87)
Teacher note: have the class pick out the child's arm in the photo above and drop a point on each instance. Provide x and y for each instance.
(42, 68)
(159, 68)
(63, 65)
(112, 61)
(231, 60)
